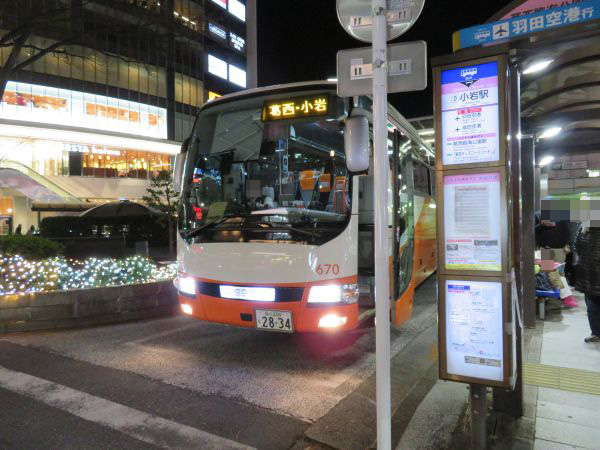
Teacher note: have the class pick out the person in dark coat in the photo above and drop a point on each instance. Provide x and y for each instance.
(18, 230)
(587, 270)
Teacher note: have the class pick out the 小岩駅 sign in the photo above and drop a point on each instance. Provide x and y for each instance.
(470, 114)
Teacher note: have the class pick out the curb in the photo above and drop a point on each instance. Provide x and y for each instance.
(86, 307)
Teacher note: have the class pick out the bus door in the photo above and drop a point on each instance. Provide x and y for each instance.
(403, 226)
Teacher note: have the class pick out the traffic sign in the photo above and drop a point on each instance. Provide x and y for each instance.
(356, 17)
(407, 69)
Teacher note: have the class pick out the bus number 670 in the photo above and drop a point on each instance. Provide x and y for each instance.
(326, 269)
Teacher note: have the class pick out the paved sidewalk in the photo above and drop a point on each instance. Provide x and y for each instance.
(567, 406)
(561, 395)
(436, 418)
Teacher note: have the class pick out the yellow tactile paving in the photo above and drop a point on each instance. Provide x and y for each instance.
(562, 378)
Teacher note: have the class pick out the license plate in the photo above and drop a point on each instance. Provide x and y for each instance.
(272, 320)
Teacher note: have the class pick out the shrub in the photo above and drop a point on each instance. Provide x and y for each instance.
(29, 247)
(18, 275)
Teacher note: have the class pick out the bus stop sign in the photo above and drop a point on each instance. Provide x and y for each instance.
(407, 69)
(356, 17)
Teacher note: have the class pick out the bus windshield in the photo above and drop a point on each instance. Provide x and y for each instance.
(248, 180)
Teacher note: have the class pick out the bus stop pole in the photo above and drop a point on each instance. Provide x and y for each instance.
(478, 406)
(382, 301)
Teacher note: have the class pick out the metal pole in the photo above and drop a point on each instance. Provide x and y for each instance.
(380, 174)
(251, 44)
(478, 406)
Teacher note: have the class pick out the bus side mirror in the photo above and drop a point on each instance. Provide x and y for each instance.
(356, 144)
(178, 169)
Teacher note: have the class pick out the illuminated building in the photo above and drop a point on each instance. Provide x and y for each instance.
(105, 110)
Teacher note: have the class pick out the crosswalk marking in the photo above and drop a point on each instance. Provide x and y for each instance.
(132, 422)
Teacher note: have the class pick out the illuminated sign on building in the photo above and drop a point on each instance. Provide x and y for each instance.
(217, 66)
(237, 42)
(92, 149)
(34, 103)
(221, 3)
(217, 31)
(291, 108)
(237, 75)
(212, 95)
(238, 9)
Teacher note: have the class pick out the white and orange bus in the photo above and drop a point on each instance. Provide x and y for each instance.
(275, 233)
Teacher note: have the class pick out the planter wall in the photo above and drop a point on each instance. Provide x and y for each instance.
(79, 307)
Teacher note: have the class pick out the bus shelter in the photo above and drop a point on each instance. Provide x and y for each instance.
(553, 53)
(548, 87)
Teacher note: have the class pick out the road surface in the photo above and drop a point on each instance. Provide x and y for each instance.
(180, 383)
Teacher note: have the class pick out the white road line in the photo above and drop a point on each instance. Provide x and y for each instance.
(140, 425)
(162, 334)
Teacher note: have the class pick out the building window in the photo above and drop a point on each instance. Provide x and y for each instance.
(237, 75)
(103, 162)
(188, 13)
(37, 103)
(217, 66)
(238, 9)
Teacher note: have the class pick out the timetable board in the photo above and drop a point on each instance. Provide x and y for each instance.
(472, 221)
(474, 323)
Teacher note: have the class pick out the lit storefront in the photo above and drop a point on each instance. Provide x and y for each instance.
(51, 158)
(93, 148)
(42, 104)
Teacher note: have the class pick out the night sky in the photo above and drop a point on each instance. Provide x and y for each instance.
(298, 40)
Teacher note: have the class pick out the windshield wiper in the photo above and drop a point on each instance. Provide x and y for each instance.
(270, 229)
(198, 230)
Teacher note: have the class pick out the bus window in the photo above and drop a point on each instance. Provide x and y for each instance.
(421, 178)
(405, 221)
(245, 172)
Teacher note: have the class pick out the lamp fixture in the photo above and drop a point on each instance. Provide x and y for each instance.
(550, 132)
(537, 66)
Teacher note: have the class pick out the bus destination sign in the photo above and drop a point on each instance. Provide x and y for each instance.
(296, 107)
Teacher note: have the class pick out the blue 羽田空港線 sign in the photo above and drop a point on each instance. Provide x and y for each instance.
(530, 23)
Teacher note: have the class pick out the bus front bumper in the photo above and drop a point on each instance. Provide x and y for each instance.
(305, 317)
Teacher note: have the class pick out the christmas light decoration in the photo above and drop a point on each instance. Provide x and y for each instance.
(20, 276)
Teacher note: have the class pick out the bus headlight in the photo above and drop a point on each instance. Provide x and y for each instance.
(187, 285)
(334, 293)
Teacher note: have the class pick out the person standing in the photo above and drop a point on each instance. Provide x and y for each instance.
(18, 230)
(587, 280)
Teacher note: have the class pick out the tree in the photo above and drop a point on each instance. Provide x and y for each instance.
(161, 195)
(27, 17)
(67, 24)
